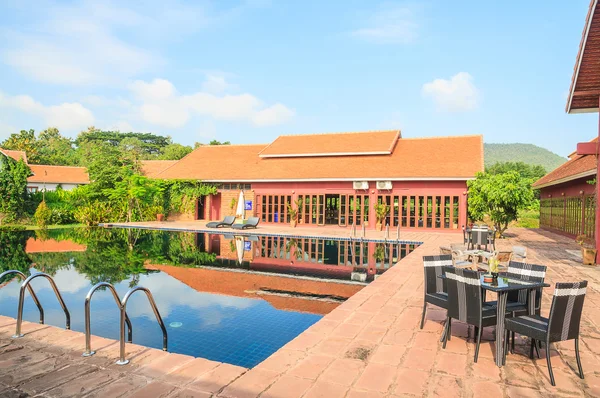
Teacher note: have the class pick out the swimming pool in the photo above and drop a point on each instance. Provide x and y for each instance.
(228, 299)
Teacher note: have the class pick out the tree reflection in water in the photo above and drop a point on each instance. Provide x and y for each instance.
(105, 255)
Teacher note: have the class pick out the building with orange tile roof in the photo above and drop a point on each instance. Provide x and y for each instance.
(569, 203)
(339, 177)
(150, 168)
(34, 245)
(46, 177)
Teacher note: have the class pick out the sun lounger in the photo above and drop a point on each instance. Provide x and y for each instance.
(251, 223)
(227, 222)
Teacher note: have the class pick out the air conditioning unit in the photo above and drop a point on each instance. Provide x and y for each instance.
(384, 185)
(360, 185)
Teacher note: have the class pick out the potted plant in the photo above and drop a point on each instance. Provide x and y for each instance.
(232, 206)
(588, 249)
(293, 215)
(381, 212)
(379, 252)
(160, 217)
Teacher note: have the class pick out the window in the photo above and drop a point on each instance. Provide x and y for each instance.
(422, 211)
(273, 208)
(32, 189)
(234, 187)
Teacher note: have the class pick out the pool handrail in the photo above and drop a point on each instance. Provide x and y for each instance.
(31, 292)
(88, 329)
(26, 283)
(122, 360)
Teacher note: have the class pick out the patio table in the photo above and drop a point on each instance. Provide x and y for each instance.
(476, 255)
(502, 286)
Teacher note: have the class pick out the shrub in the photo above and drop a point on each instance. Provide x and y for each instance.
(93, 213)
(62, 214)
(42, 215)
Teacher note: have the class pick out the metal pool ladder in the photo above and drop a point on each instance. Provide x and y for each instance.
(24, 285)
(122, 360)
(122, 304)
(31, 292)
(88, 333)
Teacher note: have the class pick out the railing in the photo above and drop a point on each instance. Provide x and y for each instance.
(122, 360)
(88, 333)
(31, 292)
(22, 299)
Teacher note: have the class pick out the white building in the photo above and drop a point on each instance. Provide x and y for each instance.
(47, 177)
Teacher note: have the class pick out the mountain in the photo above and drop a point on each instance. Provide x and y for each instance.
(527, 153)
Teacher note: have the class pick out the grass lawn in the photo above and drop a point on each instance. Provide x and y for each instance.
(528, 219)
(35, 227)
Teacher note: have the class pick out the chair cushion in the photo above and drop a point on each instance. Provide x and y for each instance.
(440, 299)
(534, 326)
(463, 264)
(511, 306)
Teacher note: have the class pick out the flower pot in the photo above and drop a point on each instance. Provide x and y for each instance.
(160, 217)
(589, 256)
(293, 223)
(378, 226)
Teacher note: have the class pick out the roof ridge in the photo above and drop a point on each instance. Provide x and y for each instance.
(204, 146)
(443, 136)
(226, 146)
(341, 132)
(53, 165)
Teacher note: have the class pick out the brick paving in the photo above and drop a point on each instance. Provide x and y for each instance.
(370, 346)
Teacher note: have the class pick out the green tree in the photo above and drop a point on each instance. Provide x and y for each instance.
(23, 141)
(212, 142)
(134, 194)
(175, 152)
(13, 187)
(150, 145)
(42, 215)
(106, 165)
(531, 171)
(55, 149)
(500, 196)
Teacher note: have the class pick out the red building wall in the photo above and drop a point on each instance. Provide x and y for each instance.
(569, 208)
(434, 189)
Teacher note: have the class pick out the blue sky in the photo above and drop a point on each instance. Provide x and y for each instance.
(248, 71)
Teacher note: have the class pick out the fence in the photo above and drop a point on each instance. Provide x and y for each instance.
(573, 215)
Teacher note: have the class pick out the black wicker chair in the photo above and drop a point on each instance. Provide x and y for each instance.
(435, 287)
(517, 301)
(479, 238)
(465, 303)
(563, 323)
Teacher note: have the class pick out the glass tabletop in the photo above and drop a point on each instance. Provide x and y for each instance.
(504, 284)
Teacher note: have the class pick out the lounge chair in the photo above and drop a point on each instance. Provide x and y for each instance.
(251, 223)
(227, 222)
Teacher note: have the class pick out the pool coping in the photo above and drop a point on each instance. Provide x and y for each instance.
(255, 232)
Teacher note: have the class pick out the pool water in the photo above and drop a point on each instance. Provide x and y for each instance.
(238, 316)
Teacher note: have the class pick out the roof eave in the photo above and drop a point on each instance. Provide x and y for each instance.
(584, 38)
(565, 179)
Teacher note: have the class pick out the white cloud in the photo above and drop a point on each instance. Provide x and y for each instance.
(170, 293)
(161, 105)
(81, 55)
(390, 24)
(66, 116)
(272, 115)
(456, 94)
(217, 84)
(101, 101)
(122, 126)
(78, 45)
(156, 90)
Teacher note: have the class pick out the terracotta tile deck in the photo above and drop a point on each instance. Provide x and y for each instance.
(370, 346)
